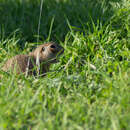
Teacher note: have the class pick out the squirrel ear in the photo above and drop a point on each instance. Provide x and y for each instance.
(43, 48)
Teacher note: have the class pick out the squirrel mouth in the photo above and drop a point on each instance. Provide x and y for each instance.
(56, 59)
(60, 52)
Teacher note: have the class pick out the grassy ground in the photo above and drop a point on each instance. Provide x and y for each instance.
(90, 87)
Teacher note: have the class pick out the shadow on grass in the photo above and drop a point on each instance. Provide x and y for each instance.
(24, 15)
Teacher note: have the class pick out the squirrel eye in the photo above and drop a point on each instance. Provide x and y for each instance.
(53, 46)
(43, 49)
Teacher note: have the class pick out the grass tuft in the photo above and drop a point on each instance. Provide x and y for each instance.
(89, 88)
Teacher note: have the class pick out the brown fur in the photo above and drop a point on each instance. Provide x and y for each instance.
(36, 62)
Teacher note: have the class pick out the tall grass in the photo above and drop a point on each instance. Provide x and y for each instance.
(89, 88)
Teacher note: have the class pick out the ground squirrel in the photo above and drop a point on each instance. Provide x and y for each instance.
(36, 62)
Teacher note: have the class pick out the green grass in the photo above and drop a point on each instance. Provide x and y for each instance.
(90, 87)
